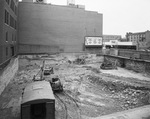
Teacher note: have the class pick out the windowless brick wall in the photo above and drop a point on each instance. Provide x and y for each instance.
(52, 28)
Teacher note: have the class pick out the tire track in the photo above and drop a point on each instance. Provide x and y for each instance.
(75, 102)
(63, 105)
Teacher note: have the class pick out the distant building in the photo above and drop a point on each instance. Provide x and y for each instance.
(124, 40)
(8, 29)
(107, 38)
(140, 39)
(45, 28)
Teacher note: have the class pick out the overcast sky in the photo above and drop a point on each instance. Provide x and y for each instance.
(119, 16)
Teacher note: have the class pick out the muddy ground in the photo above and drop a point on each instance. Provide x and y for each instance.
(88, 90)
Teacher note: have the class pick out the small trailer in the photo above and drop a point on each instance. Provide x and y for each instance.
(38, 101)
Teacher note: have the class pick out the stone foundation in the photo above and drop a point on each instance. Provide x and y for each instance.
(8, 73)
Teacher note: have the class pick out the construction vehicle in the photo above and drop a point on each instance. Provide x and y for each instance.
(47, 70)
(56, 84)
(38, 76)
(45, 74)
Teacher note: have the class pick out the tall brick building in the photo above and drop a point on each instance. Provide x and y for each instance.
(8, 29)
(53, 28)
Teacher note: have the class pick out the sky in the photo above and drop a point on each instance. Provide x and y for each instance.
(119, 16)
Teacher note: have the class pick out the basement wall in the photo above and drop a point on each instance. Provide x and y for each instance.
(8, 73)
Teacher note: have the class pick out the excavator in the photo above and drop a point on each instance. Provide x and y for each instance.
(45, 73)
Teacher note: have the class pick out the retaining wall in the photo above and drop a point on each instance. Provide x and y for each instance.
(145, 55)
(8, 73)
(136, 65)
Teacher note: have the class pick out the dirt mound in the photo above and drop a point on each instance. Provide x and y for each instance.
(133, 96)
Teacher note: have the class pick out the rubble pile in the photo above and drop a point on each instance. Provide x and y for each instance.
(79, 61)
(131, 96)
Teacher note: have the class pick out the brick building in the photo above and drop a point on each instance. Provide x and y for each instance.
(52, 28)
(8, 29)
(140, 39)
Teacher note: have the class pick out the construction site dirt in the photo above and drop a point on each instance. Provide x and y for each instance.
(88, 91)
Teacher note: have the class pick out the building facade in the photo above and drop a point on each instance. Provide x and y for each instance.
(46, 28)
(8, 29)
(140, 39)
(108, 38)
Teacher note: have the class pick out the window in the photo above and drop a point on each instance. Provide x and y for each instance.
(12, 51)
(12, 5)
(12, 22)
(6, 17)
(6, 36)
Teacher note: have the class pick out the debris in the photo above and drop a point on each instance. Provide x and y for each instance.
(94, 92)
(108, 64)
(79, 61)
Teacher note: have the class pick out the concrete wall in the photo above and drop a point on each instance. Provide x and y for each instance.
(38, 49)
(50, 26)
(8, 74)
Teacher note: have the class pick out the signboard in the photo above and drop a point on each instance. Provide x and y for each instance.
(114, 42)
(93, 41)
